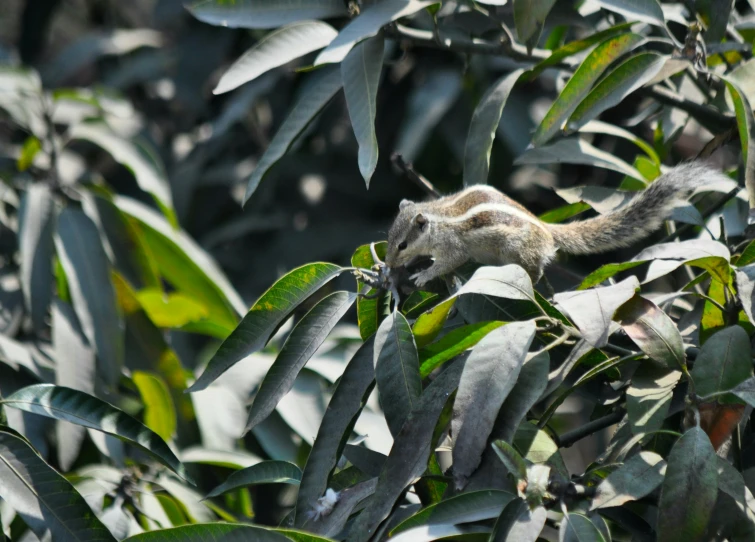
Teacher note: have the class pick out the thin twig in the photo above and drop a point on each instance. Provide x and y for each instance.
(707, 116)
(413, 176)
(568, 439)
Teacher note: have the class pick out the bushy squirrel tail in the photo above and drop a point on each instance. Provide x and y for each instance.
(640, 217)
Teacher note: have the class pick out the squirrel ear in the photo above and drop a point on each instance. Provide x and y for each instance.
(405, 203)
(421, 221)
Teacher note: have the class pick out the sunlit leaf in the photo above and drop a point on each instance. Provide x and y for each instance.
(649, 397)
(723, 363)
(263, 318)
(452, 344)
(638, 476)
(263, 13)
(159, 412)
(653, 331)
(518, 522)
(227, 532)
(267, 472)
(578, 528)
(529, 17)
(648, 11)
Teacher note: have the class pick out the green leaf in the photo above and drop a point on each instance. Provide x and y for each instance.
(579, 528)
(529, 17)
(706, 254)
(263, 13)
(465, 508)
(605, 272)
(317, 91)
(367, 24)
(536, 446)
(361, 75)
(614, 87)
(370, 312)
(220, 458)
(172, 310)
(264, 317)
(746, 127)
(689, 489)
(649, 397)
(573, 150)
(159, 412)
(77, 407)
(580, 83)
(430, 323)
(452, 344)
(88, 272)
(600, 127)
(149, 177)
(183, 263)
(482, 128)
(592, 310)
(653, 331)
(508, 281)
(511, 459)
(637, 477)
(303, 341)
(227, 532)
(301, 536)
(396, 370)
(47, 502)
(746, 391)
(276, 49)
(407, 460)
(723, 363)
(564, 212)
(517, 523)
(267, 472)
(30, 149)
(648, 11)
(35, 243)
(354, 386)
(489, 375)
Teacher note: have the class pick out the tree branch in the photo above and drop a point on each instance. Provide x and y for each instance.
(568, 439)
(416, 178)
(707, 116)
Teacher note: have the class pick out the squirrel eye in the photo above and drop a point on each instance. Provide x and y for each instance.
(402, 246)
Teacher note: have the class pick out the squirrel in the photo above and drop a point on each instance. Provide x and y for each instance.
(484, 225)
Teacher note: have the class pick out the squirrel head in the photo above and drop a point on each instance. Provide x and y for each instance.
(408, 237)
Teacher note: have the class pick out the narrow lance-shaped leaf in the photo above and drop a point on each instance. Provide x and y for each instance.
(580, 83)
(369, 311)
(263, 318)
(367, 24)
(649, 397)
(689, 489)
(47, 502)
(310, 332)
(529, 17)
(35, 240)
(617, 85)
(267, 472)
(518, 523)
(361, 74)
(315, 94)
(349, 397)
(489, 375)
(637, 477)
(77, 407)
(723, 362)
(159, 412)
(648, 11)
(88, 273)
(746, 127)
(227, 532)
(483, 127)
(396, 370)
(263, 13)
(276, 49)
(579, 528)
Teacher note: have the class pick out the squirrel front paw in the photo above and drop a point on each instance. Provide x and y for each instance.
(421, 278)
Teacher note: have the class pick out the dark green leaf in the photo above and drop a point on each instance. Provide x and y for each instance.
(689, 489)
(317, 91)
(617, 85)
(538, 447)
(77, 407)
(263, 13)
(489, 375)
(649, 397)
(263, 318)
(648, 11)
(267, 472)
(407, 459)
(653, 331)
(275, 49)
(348, 398)
(529, 17)
(636, 478)
(746, 127)
(723, 363)
(361, 74)
(746, 391)
(580, 83)
(46, 501)
(396, 370)
(35, 243)
(517, 523)
(310, 332)
(369, 22)
(579, 528)
(511, 459)
(592, 310)
(225, 532)
(370, 312)
(88, 273)
(483, 127)
(464, 508)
